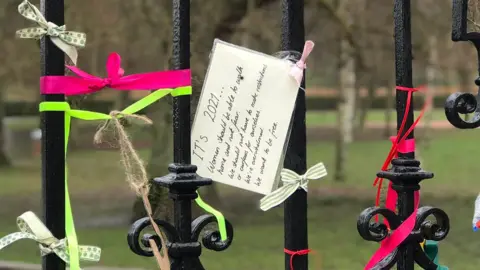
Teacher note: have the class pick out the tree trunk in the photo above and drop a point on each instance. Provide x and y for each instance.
(365, 105)
(431, 72)
(346, 108)
(389, 106)
(4, 160)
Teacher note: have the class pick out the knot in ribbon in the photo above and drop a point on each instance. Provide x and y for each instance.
(104, 83)
(85, 83)
(67, 41)
(297, 70)
(294, 253)
(54, 30)
(31, 227)
(291, 182)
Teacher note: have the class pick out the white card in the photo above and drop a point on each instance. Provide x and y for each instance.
(241, 127)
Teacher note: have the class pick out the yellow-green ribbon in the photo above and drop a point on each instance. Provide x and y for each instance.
(31, 227)
(92, 116)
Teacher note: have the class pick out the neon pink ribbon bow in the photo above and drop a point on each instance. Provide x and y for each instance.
(297, 70)
(86, 83)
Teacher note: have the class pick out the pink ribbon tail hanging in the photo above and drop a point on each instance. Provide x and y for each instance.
(86, 83)
(297, 70)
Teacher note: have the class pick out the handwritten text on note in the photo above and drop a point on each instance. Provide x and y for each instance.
(241, 126)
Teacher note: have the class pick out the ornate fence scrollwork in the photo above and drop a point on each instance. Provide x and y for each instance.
(464, 14)
(405, 175)
(182, 241)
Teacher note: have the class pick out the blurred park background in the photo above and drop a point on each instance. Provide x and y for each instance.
(351, 114)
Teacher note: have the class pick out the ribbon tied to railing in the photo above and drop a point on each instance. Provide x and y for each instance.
(67, 41)
(31, 227)
(297, 69)
(400, 144)
(86, 83)
(291, 182)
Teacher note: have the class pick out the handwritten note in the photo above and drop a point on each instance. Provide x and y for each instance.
(242, 122)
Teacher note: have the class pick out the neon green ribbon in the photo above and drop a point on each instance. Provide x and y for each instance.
(92, 116)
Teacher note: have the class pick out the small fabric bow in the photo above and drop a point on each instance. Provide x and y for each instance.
(87, 83)
(67, 41)
(291, 182)
(31, 227)
(297, 70)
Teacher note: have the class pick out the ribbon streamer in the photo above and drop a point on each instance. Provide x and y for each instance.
(92, 116)
(399, 144)
(431, 249)
(31, 227)
(297, 70)
(291, 182)
(67, 41)
(86, 83)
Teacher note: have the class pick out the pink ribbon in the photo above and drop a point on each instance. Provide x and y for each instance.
(401, 233)
(297, 70)
(86, 83)
(397, 237)
(406, 146)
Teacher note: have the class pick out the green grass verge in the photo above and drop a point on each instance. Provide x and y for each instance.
(319, 118)
(259, 236)
(314, 118)
(257, 245)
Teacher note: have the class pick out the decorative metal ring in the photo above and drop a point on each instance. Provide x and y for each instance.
(462, 103)
(435, 230)
(211, 239)
(376, 231)
(138, 240)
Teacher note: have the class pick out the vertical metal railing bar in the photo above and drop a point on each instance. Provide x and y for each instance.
(295, 207)
(181, 114)
(52, 123)
(403, 75)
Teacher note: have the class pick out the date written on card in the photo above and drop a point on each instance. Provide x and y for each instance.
(242, 121)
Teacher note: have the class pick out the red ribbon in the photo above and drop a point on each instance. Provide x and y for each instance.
(86, 83)
(294, 253)
(399, 145)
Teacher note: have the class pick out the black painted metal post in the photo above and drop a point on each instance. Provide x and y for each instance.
(182, 182)
(403, 74)
(295, 207)
(53, 157)
(181, 110)
(405, 174)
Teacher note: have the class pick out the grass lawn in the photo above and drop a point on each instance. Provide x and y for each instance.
(258, 245)
(259, 236)
(314, 118)
(318, 118)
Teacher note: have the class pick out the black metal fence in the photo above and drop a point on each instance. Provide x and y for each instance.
(182, 182)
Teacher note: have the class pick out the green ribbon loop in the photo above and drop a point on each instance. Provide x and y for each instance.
(291, 182)
(92, 116)
(218, 215)
(31, 227)
(431, 249)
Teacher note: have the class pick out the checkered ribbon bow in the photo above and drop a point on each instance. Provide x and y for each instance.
(67, 41)
(31, 227)
(291, 182)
